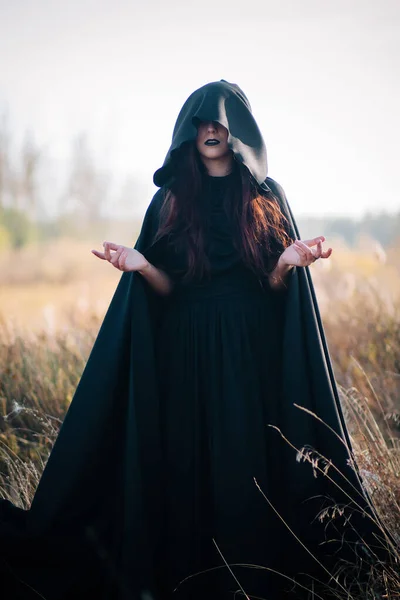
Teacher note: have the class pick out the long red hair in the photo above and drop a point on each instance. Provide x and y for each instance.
(260, 228)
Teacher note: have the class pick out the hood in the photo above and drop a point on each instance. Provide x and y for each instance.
(227, 104)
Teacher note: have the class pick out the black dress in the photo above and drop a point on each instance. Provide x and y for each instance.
(219, 356)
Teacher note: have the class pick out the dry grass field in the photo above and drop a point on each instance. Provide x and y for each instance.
(53, 298)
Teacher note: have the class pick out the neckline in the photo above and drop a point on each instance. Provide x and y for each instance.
(218, 177)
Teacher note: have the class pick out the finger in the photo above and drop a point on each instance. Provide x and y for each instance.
(115, 258)
(118, 261)
(107, 252)
(300, 249)
(99, 254)
(314, 241)
(113, 246)
(122, 260)
(302, 254)
(311, 256)
(318, 251)
(327, 253)
(304, 246)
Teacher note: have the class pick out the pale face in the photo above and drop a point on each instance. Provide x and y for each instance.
(212, 140)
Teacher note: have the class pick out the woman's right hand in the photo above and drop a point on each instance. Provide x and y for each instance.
(124, 258)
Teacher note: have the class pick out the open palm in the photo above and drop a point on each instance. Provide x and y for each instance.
(303, 253)
(123, 258)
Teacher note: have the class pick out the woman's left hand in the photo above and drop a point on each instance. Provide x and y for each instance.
(302, 253)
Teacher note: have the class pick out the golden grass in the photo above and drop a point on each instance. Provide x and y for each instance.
(51, 312)
(45, 286)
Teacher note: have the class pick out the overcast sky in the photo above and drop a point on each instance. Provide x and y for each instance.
(322, 78)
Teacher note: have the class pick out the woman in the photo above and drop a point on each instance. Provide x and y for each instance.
(213, 335)
(217, 350)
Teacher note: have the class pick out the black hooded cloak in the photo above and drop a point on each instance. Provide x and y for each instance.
(94, 524)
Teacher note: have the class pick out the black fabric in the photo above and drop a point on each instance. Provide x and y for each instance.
(227, 104)
(220, 388)
(166, 430)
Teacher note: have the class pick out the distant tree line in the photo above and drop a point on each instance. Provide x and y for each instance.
(83, 206)
(384, 227)
(80, 207)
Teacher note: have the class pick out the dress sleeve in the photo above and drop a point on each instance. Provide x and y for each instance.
(165, 258)
(271, 259)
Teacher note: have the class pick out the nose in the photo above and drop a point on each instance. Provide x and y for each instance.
(211, 127)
